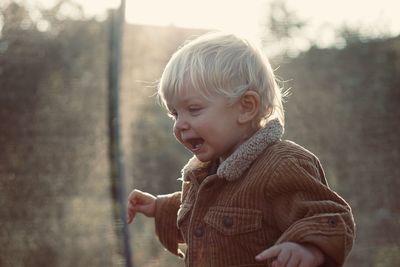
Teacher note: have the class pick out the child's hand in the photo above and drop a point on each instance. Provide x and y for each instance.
(139, 201)
(289, 254)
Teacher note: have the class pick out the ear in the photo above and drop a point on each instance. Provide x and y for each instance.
(249, 104)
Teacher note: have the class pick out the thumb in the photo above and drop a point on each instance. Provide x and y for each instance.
(269, 253)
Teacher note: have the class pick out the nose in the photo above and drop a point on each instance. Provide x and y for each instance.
(181, 124)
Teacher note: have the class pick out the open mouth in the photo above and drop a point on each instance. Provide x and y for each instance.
(195, 144)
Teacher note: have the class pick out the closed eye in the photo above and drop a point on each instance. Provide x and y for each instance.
(194, 110)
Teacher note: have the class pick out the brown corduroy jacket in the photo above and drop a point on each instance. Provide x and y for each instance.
(267, 192)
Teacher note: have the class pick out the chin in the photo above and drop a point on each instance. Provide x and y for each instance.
(204, 158)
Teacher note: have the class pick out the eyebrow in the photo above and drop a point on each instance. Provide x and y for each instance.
(191, 98)
(188, 99)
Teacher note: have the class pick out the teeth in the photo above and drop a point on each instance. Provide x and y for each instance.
(195, 143)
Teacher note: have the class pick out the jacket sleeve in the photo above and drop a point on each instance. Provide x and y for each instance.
(307, 211)
(167, 207)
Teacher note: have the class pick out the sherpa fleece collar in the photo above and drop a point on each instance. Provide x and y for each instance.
(237, 163)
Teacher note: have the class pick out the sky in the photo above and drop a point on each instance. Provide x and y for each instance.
(246, 17)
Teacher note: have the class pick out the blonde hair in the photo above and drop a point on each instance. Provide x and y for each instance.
(224, 64)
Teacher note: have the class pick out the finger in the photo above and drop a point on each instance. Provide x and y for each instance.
(131, 216)
(135, 194)
(131, 194)
(146, 209)
(131, 213)
(295, 261)
(283, 258)
(139, 197)
(136, 200)
(132, 210)
(133, 200)
(269, 253)
(305, 263)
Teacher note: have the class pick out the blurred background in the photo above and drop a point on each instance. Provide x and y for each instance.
(340, 60)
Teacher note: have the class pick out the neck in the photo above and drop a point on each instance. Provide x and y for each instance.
(248, 132)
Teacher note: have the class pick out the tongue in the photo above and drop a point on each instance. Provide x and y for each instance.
(196, 143)
(197, 146)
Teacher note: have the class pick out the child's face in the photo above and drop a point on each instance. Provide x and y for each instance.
(209, 128)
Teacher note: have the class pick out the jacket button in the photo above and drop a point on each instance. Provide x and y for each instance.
(332, 222)
(227, 221)
(199, 231)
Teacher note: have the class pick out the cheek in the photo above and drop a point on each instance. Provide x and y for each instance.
(202, 123)
(175, 131)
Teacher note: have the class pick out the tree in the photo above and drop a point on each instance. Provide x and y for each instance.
(282, 28)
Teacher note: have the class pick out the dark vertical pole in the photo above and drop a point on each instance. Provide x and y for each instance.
(117, 20)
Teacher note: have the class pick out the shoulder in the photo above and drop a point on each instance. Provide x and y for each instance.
(285, 157)
(286, 149)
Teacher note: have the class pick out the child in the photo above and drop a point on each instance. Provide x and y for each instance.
(248, 198)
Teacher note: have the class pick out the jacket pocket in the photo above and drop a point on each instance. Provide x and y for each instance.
(234, 221)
